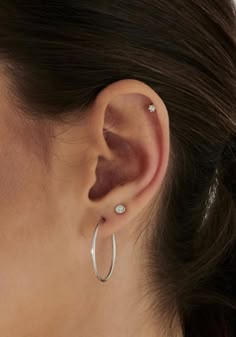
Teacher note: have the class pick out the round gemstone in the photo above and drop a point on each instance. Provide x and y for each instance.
(120, 209)
(152, 108)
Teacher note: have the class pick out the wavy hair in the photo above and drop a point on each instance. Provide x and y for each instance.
(60, 54)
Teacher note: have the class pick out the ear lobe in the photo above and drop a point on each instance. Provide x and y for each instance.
(138, 142)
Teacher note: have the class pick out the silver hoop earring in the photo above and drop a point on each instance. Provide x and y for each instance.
(93, 253)
(120, 209)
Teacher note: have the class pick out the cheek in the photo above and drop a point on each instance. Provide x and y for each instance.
(22, 165)
(36, 274)
(31, 270)
(38, 267)
(12, 174)
(22, 296)
(23, 176)
(23, 281)
(32, 298)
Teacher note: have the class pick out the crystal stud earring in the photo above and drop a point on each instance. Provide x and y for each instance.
(151, 107)
(120, 209)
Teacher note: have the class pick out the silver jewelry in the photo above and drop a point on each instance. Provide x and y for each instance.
(93, 253)
(151, 107)
(120, 209)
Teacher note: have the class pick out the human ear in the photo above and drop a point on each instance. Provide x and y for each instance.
(132, 151)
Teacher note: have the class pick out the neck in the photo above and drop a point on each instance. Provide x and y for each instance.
(118, 307)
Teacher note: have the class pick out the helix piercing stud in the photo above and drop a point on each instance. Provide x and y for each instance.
(151, 107)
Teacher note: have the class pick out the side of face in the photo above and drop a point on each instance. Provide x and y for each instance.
(56, 181)
(39, 274)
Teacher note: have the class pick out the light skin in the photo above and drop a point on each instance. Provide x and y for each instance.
(56, 182)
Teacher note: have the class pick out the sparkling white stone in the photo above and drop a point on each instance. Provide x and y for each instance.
(152, 107)
(120, 209)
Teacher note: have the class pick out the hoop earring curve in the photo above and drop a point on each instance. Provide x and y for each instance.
(93, 254)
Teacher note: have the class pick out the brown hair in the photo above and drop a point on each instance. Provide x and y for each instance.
(60, 54)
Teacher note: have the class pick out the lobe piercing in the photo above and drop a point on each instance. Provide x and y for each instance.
(120, 209)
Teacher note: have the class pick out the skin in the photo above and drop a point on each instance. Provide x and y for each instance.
(56, 182)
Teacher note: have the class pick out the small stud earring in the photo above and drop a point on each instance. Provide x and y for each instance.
(120, 209)
(151, 107)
